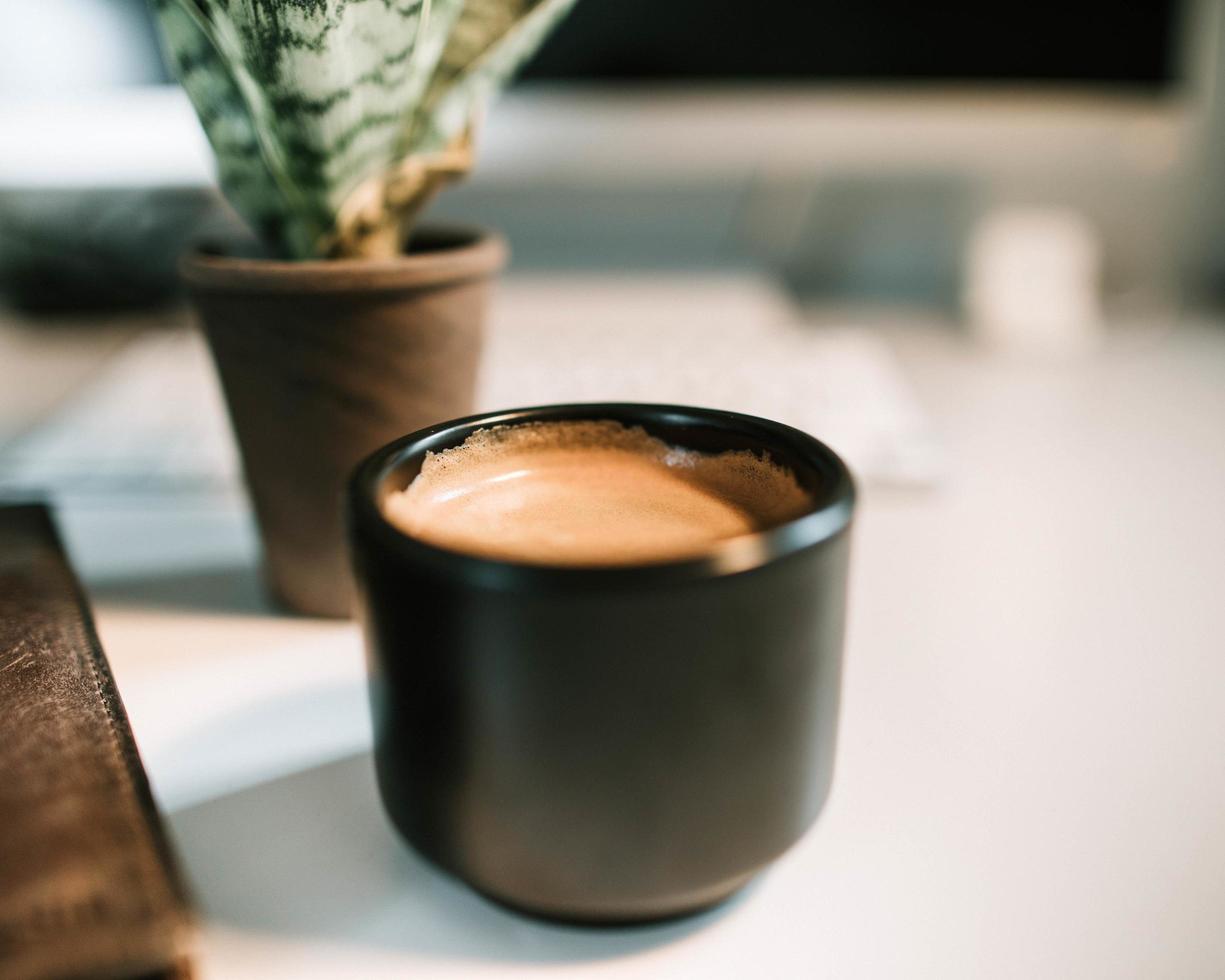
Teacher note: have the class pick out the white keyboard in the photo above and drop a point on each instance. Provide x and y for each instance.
(734, 343)
(150, 427)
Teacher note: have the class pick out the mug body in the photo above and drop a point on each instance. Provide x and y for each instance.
(606, 744)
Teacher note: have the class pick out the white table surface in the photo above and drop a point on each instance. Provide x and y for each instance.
(1031, 768)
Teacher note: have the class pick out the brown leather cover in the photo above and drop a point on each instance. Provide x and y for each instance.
(88, 886)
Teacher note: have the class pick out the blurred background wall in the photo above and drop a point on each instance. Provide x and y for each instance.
(858, 150)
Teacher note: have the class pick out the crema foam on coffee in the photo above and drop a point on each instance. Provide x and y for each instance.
(590, 493)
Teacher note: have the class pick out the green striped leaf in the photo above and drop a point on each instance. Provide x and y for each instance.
(327, 117)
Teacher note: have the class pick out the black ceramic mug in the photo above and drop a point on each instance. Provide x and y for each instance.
(606, 744)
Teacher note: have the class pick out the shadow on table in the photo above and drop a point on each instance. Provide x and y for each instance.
(234, 589)
(311, 854)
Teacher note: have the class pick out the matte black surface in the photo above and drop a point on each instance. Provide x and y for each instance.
(606, 744)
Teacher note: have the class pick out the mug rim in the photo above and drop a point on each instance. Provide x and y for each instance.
(729, 556)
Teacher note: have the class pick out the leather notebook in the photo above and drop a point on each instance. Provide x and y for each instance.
(88, 884)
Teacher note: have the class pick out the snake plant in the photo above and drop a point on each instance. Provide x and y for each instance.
(335, 121)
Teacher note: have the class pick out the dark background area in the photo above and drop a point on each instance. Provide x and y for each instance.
(1114, 43)
(1110, 42)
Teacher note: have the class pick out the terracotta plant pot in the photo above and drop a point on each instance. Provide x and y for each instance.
(322, 363)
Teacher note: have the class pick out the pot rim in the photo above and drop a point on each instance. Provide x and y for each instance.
(830, 517)
(477, 253)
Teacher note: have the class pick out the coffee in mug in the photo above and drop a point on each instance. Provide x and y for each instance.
(590, 492)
